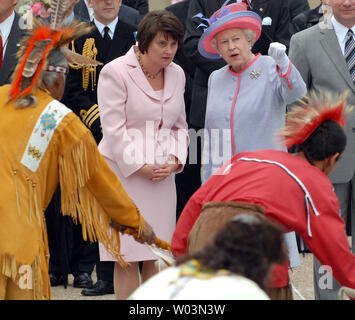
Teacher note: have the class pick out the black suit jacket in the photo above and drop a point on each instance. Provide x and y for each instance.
(10, 59)
(298, 6)
(141, 5)
(277, 10)
(84, 103)
(306, 19)
(81, 11)
(129, 15)
(180, 10)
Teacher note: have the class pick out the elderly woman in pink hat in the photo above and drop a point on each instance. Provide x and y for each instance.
(246, 102)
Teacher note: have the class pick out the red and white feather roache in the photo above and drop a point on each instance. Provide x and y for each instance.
(303, 120)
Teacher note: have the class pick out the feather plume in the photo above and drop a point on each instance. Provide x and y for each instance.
(78, 59)
(304, 119)
(35, 48)
(21, 85)
(58, 8)
(73, 31)
(35, 57)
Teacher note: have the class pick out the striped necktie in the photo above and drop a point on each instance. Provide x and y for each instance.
(350, 53)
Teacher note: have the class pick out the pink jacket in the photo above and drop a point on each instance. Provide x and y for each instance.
(141, 125)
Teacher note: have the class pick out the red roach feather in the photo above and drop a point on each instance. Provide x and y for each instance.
(303, 120)
(302, 132)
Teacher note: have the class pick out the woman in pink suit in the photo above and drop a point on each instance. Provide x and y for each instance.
(145, 138)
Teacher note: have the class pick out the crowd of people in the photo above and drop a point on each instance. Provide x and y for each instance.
(181, 126)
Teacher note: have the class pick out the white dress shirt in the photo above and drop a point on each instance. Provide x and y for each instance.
(5, 28)
(341, 31)
(112, 27)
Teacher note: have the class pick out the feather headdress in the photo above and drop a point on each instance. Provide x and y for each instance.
(303, 120)
(40, 41)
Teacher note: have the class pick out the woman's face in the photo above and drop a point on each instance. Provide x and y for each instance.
(234, 47)
(161, 51)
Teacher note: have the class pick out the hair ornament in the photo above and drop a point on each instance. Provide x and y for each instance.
(303, 120)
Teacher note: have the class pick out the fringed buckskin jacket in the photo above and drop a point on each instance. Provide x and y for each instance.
(40, 147)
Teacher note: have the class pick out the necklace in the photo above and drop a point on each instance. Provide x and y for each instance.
(147, 74)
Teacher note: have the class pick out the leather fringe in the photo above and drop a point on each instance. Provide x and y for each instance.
(39, 279)
(78, 202)
(18, 205)
(9, 266)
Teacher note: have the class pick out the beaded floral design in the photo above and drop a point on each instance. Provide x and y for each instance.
(42, 134)
(48, 121)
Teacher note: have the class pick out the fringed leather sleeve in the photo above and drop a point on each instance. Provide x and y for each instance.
(91, 193)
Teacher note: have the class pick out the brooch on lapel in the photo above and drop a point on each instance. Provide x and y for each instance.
(255, 74)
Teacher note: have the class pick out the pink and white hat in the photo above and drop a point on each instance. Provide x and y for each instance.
(235, 15)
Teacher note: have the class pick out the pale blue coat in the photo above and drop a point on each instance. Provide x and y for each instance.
(255, 99)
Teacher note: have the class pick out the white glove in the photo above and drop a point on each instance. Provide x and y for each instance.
(277, 51)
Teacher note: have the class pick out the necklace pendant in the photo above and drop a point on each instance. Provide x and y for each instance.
(150, 76)
(146, 73)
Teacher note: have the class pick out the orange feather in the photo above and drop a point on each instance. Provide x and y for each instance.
(42, 33)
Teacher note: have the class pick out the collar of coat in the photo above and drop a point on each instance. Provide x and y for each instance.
(137, 75)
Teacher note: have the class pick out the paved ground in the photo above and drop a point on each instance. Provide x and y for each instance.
(301, 277)
(71, 293)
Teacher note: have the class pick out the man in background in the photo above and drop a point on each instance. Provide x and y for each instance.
(323, 54)
(10, 34)
(127, 14)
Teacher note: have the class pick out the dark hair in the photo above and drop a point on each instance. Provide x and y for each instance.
(158, 21)
(328, 139)
(247, 249)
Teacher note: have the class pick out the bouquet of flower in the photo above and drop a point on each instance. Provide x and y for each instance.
(36, 8)
(41, 8)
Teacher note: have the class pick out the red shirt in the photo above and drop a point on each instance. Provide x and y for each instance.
(281, 187)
